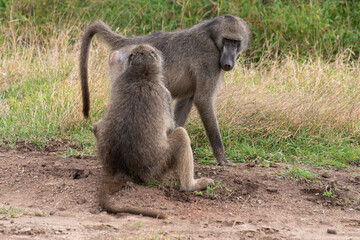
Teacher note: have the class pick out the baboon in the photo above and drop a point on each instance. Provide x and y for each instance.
(194, 63)
(137, 139)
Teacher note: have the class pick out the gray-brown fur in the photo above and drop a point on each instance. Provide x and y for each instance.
(111, 185)
(137, 138)
(194, 63)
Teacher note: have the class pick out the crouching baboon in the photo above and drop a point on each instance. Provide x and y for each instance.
(194, 63)
(137, 138)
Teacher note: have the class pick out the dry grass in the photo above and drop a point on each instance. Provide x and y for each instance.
(40, 97)
(47, 73)
(290, 96)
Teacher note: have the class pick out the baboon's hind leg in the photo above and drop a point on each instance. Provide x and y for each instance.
(183, 163)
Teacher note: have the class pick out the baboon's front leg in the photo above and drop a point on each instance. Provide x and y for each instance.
(208, 117)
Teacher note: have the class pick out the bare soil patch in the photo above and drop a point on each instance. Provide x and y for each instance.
(46, 196)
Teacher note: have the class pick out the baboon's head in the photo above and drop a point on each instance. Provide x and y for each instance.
(231, 36)
(145, 62)
(144, 55)
(142, 59)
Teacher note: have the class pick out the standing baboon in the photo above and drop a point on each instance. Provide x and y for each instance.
(194, 63)
(137, 138)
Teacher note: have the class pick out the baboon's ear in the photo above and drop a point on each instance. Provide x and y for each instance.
(117, 56)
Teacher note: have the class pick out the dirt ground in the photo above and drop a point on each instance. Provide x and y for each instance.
(46, 196)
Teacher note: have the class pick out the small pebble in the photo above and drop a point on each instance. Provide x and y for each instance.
(273, 190)
(325, 175)
(331, 231)
(273, 165)
(251, 164)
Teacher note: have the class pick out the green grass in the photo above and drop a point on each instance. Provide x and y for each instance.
(329, 194)
(293, 98)
(334, 148)
(39, 213)
(296, 172)
(210, 190)
(301, 28)
(11, 212)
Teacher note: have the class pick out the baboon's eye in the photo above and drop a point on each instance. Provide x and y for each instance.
(231, 42)
(131, 57)
(153, 54)
(238, 44)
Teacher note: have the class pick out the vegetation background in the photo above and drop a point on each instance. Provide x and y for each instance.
(293, 98)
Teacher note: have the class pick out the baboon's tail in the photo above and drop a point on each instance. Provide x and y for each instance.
(112, 39)
(104, 200)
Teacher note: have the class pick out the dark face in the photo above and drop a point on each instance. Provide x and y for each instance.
(228, 54)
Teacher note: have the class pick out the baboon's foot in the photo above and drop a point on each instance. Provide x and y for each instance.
(202, 183)
(226, 163)
(199, 184)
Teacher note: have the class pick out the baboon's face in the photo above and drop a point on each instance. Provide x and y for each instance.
(231, 36)
(228, 54)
